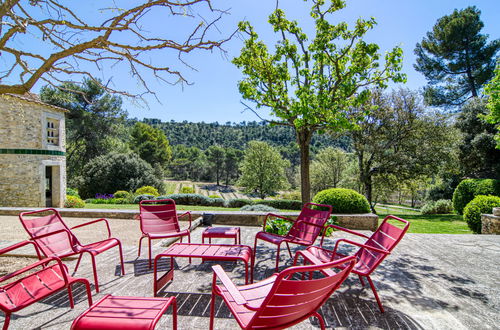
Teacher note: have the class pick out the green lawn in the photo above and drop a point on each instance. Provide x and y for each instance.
(424, 224)
(428, 224)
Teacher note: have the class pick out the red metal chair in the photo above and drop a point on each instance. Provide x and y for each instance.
(304, 231)
(55, 239)
(25, 288)
(370, 254)
(159, 220)
(282, 300)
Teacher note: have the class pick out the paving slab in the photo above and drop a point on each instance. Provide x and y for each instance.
(429, 282)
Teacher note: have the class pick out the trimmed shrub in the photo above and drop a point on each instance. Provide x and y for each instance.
(442, 206)
(214, 196)
(74, 202)
(238, 202)
(258, 207)
(147, 190)
(140, 198)
(281, 204)
(187, 190)
(190, 199)
(479, 205)
(72, 192)
(122, 194)
(111, 172)
(470, 188)
(293, 195)
(219, 202)
(343, 200)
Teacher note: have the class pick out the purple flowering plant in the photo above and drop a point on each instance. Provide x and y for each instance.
(104, 196)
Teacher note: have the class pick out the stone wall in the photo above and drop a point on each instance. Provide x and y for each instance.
(490, 223)
(25, 153)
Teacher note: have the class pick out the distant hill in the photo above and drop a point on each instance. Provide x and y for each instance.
(236, 135)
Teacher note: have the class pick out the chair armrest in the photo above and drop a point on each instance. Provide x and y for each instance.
(359, 245)
(95, 221)
(19, 245)
(276, 216)
(228, 284)
(39, 263)
(190, 218)
(68, 233)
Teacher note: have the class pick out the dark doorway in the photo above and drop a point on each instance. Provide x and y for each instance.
(48, 186)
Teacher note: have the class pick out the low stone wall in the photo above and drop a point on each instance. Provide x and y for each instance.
(490, 223)
(366, 221)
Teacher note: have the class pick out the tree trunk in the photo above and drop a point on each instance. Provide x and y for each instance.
(366, 180)
(303, 140)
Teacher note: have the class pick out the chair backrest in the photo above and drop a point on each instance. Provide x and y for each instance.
(158, 216)
(295, 295)
(309, 223)
(386, 237)
(56, 245)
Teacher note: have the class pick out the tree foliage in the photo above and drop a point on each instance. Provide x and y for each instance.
(94, 120)
(478, 157)
(398, 138)
(262, 169)
(328, 169)
(216, 158)
(52, 40)
(456, 58)
(492, 90)
(309, 83)
(150, 144)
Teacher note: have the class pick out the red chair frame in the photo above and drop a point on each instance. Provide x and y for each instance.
(37, 285)
(163, 224)
(282, 300)
(370, 253)
(55, 239)
(300, 233)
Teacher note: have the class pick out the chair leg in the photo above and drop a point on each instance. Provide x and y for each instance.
(174, 314)
(70, 297)
(361, 280)
(149, 255)
(189, 241)
(212, 310)
(375, 294)
(87, 288)
(121, 257)
(140, 245)
(320, 319)
(278, 257)
(289, 251)
(94, 268)
(78, 263)
(7, 321)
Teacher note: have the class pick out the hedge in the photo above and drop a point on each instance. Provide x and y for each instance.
(479, 205)
(343, 200)
(470, 188)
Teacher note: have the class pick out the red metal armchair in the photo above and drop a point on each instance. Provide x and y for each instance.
(159, 220)
(55, 239)
(370, 254)
(283, 299)
(25, 288)
(304, 231)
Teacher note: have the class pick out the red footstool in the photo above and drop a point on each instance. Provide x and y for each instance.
(221, 232)
(125, 313)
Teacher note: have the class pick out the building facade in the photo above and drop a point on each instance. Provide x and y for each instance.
(32, 152)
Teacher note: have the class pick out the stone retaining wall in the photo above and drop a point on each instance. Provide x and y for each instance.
(490, 223)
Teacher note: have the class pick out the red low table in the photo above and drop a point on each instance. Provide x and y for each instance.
(125, 313)
(221, 232)
(221, 252)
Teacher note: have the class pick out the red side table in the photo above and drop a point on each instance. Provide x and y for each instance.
(125, 313)
(221, 232)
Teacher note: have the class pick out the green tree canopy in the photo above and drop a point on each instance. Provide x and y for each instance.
(478, 157)
(328, 169)
(493, 92)
(216, 157)
(456, 58)
(95, 118)
(263, 169)
(309, 83)
(150, 144)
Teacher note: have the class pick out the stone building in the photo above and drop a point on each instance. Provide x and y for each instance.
(32, 152)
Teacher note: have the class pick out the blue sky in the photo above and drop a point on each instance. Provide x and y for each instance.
(214, 95)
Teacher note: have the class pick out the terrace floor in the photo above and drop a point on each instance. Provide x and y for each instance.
(429, 282)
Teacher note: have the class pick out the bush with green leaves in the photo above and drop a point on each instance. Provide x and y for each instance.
(147, 190)
(72, 192)
(343, 200)
(111, 172)
(122, 194)
(259, 208)
(470, 188)
(278, 226)
(479, 205)
(238, 202)
(281, 204)
(442, 206)
(187, 190)
(74, 202)
(144, 197)
(214, 196)
(190, 199)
